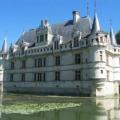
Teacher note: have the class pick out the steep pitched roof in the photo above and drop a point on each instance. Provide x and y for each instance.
(64, 29)
(112, 36)
(5, 46)
(29, 36)
(96, 24)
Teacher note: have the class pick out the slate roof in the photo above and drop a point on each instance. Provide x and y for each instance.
(5, 47)
(112, 36)
(64, 29)
(29, 36)
(96, 24)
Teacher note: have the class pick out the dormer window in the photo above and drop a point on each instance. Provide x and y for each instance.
(76, 42)
(46, 37)
(41, 38)
(56, 45)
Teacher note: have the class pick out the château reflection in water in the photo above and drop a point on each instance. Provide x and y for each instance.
(90, 109)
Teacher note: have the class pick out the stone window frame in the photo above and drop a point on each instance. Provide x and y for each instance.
(11, 77)
(56, 45)
(57, 76)
(77, 75)
(76, 41)
(77, 58)
(12, 66)
(57, 60)
(40, 76)
(23, 77)
(23, 64)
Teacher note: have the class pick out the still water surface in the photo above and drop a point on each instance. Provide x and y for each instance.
(33, 107)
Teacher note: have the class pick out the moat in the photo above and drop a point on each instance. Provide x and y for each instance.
(34, 107)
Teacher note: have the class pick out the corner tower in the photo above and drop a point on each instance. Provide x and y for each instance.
(5, 49)
(112, 36)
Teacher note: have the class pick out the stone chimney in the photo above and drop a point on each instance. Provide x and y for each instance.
(42, 23)
(46, 23)
(76, 17)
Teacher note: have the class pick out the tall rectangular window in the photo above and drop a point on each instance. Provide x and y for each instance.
(46, 37)
(37, 39)
(12, 65)
(77, 75)
(23, 64)
(57, 60)
(77, 58)
(40, 62)
(35, 76)
(44, 61)
(23, 77)
(41, 38)
(56, 45)
(40, 76)
(76, 42)
(57, 76)
(44, 76)
(35, 61)
(11, 77)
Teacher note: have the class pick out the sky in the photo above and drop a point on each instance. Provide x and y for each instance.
(17, 16)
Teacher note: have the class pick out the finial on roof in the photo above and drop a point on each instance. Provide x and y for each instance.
(23, 33)
(96, 24)
(42, 24)
(88, 12)
(112, 36)
(5, 46)
(76, 17)
(95, 6)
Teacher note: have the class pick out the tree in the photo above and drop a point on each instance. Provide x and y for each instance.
(118, 37)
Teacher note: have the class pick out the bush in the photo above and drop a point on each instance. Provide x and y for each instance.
(118, 37)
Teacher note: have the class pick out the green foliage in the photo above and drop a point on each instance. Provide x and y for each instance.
(118, 37)
(35, 108)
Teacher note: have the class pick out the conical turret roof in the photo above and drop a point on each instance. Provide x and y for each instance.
(112, 36)
(96, 24)
(5, 46)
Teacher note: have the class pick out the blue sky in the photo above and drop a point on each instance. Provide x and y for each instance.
(21, 15)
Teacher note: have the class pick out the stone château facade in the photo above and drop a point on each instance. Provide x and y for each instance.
(75, 57)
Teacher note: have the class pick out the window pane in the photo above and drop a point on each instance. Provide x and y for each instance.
(46, 37)
(12, 65)
(77, 75)
(23, 77)
(76, 42)
(77, 59)
(11, 77)
(57, 60)
(57, 76)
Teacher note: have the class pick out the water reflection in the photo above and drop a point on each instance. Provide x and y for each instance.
(90, 109)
